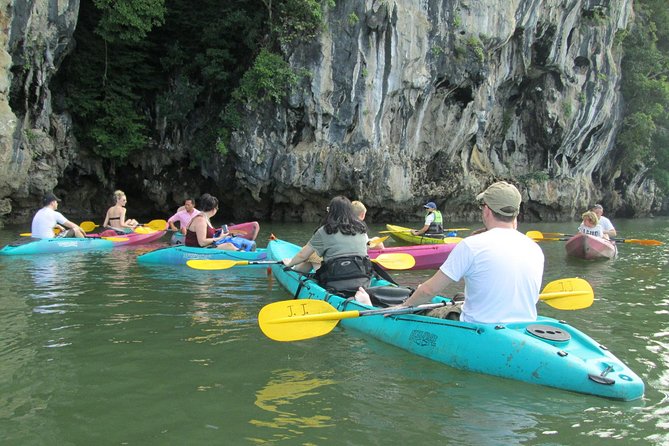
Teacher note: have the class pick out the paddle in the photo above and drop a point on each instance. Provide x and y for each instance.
(56, 231)
(536, 235)
(310, 318)
(88, 226)
(220, 264)
(113, 239)
(409, 230)
(116, 239)
(376, 241)
(157, 225)
(395, 261)
(297, 319)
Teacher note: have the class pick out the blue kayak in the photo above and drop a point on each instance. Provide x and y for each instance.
(180, 254)
(56, 246)
(546, 351)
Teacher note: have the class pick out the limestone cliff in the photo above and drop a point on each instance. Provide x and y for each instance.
(35, 144)
(413, 101)
(406, 101)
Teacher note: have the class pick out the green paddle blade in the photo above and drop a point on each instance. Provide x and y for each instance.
(568, 294)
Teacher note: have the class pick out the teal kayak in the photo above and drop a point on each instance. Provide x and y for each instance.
(546, 351)
(180, 254)
(55, 246)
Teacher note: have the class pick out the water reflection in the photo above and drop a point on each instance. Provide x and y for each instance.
(285, 397)
(78, 331)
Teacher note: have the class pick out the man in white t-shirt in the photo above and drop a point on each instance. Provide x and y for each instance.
(502, 268)
(607, 226)
(47, 218)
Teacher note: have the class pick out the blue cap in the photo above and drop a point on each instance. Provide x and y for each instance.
(430, 205)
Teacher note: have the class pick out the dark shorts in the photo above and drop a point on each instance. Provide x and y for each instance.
(68, 233)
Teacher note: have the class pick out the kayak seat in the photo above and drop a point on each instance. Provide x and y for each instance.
(386, 296)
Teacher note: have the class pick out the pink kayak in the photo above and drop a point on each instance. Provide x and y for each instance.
(427, 256)
(144, 235)
(590, 247)
(248, 230)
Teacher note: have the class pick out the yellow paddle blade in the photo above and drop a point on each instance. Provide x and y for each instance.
(396, 260)
(568, 294)
(389, 261)
(535, 235)
(213, 265)
(297, 319)
(143, 230)
(540, 236)
(376, 241)
(640, 241)
(554, 234)
(88, 226)
(116, 239)
(157, 225)
(409, 230)
(29, 234)
(448, 240)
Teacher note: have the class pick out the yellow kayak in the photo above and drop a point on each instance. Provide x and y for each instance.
(403, 234)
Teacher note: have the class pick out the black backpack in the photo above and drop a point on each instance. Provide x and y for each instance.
(345, 273)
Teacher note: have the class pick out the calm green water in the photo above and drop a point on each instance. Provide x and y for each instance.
(95, 349)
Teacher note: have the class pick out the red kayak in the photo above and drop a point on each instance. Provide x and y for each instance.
(427, 256)
(590, 247)
(248, 230)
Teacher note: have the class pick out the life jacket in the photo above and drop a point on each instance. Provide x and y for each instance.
(437, 225)
(345, 273)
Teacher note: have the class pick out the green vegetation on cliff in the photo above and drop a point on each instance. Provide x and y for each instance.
(644, 137)
(146, 70)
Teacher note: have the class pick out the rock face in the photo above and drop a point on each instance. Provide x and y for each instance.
(35, 144)
(413, 101)
(406, 101)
